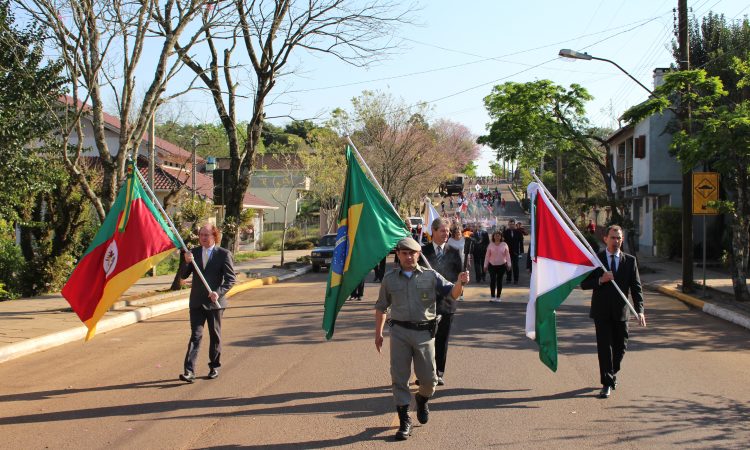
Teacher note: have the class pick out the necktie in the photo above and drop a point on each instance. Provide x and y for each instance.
(612, 266)
(439, 254)
(205, 257)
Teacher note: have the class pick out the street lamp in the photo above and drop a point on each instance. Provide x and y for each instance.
(572, 54)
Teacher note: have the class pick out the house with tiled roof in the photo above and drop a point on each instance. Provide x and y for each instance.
(173, 170)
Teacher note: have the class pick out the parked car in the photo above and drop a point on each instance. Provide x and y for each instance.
(322, 255)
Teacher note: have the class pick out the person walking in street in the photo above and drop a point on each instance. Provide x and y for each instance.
(446, 261)
(514, 238)
(608, 308)
(207, 307)
(410, 292)
(496, 262)
(457, 239)
(358, 291)
(481, 241)
(379, 271)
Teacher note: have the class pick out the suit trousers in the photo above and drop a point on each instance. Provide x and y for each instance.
(198, 318)
(515, 271)
(479, 265)
(409, 346)
(611, 342)
(441, 342)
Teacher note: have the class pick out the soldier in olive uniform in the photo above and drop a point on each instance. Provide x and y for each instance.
(410, 292)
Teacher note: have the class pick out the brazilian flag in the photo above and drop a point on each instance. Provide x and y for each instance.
(368, 228)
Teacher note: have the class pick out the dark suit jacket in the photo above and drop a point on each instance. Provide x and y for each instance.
(606, 303)
(219, 273)
(514, 239)
(449, 267)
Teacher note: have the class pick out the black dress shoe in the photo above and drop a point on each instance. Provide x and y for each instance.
(605, 392)
(188, 377)
(213, 373)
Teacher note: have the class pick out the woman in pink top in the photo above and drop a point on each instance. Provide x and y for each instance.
(496, 260)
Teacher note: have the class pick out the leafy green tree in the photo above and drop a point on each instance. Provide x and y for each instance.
(38, 200)
(326, 167)
(208, 139)
(28, 94)
(537, 119)
(470, 169)
(718, 135)
(496, 169)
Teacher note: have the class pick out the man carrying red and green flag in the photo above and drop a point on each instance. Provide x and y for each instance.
(133, 239)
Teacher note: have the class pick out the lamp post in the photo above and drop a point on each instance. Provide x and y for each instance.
(572, 54)
(687, 224)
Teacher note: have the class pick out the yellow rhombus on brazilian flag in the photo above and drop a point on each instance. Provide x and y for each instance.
(368, 229)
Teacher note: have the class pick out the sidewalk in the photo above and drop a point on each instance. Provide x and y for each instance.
(29, 325)
(665, 276)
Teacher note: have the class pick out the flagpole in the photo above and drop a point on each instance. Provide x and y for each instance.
(575, 230)
(169, 221)
(380, 188)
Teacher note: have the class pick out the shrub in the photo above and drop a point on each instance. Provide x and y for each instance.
(270, 240)
(298, 245)
(293, 234)
(12, 266)
(668, 231)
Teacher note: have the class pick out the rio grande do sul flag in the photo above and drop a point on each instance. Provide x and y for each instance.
(132, 240)
(559, 263)
(368, 229)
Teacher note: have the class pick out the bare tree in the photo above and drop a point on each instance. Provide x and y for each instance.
(268, 34)
(102, 45)
(407, 155)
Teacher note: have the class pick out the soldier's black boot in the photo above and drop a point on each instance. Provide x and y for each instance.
(404, 427)
(423, 411)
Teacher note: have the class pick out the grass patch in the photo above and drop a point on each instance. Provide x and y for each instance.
(247, 256)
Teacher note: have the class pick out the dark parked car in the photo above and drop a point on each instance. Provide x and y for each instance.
(322, 255)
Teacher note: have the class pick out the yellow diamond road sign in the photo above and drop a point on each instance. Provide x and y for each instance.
(705, 189)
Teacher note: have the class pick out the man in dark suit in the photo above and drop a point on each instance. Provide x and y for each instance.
(446, 261)
(217, 267)
(514, 238)
(608, 308)
(481, 242)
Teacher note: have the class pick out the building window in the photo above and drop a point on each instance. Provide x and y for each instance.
(640, 146)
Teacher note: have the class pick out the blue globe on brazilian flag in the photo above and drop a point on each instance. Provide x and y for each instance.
(368, 228)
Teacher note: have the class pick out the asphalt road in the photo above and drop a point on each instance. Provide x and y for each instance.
(683, 384)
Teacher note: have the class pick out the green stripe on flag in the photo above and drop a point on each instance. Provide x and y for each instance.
(546, 323)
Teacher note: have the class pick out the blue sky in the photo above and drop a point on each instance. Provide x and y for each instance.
(458, 50)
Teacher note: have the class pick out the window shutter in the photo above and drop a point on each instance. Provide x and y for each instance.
(640, 147)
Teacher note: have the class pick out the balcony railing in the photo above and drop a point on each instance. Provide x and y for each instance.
(625, 177)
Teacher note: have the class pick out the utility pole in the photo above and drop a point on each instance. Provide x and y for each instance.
(152, 164)
(192, 169)
(687, 179)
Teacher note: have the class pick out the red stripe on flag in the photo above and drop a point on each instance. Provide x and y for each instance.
(553, 241)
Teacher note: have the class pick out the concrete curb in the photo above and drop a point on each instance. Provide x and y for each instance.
(708, 308)
(125, 318)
